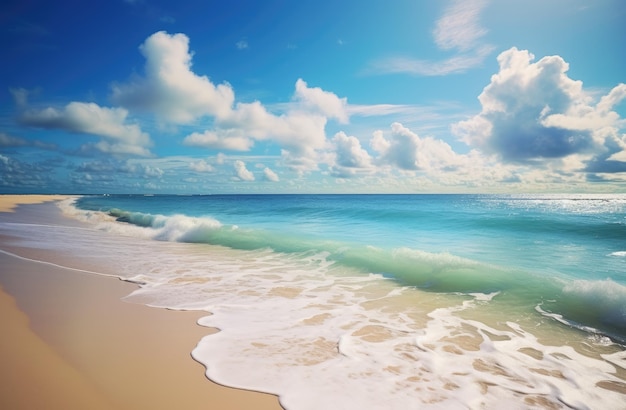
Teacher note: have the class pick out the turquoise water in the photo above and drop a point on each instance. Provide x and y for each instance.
(373, 302)
(565, 253)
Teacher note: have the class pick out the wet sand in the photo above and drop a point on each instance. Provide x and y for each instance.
(70, 342)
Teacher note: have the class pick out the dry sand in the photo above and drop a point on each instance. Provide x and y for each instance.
(69, 342)
(8, 203)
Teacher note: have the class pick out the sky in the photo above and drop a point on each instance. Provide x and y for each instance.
(324, 96)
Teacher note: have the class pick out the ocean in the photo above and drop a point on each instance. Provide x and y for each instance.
(377, 301)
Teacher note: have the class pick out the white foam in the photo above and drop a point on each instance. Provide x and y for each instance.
(165, 228)
(312, 337)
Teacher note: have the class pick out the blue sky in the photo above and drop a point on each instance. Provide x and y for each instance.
(147, 96)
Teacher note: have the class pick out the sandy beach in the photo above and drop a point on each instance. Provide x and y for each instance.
(70, 342)
(8, 203)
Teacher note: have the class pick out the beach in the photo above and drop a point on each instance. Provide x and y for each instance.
(70, 342)
(325, 301)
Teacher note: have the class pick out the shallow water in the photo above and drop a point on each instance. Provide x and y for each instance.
(377, 301)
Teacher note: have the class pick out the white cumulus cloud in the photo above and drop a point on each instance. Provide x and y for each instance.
(325, 102)
(533, 111)
(407, 151)
(242, 172)
(270, 175)
(300, 131)
(347, 158)
(297, 131)
(169, 87)
(349, 152)
(120, 137)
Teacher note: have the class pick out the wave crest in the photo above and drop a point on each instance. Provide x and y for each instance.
(593, 304)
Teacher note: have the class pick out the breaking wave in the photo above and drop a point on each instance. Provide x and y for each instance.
(598, 306)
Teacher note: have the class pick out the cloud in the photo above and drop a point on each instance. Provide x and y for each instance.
(20, 96)
(116, 176)
(613, 158)
(174, 93)
(375, 110)
(533, 111)
(456, 64)
(7, 140)
(270, 175)
(119, 136)
(323, 102)
(242, 172)
(151, 172)
(241, 44)
(399, 159)
(169, 88)
(349, 153)
(347, 158)
(18, 175)
(609, 101)
(407, 151)
(300, 131)
(100, 167)
(201, 166)
(107, 169)
(583, 116)
(300, 162)
(297, 131)
(457, 30)
(219, 140)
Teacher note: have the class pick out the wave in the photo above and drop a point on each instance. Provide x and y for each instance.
(592, 305)
(441, 272)
(597, 305)
(176, 228)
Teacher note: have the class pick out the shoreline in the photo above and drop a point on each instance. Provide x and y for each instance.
(76, 344)
(9, 203)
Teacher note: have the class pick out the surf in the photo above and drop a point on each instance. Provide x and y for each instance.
(593, 305)
(327, 322)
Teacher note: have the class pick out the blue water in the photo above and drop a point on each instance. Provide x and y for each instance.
(562, 254)
(371, 301)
